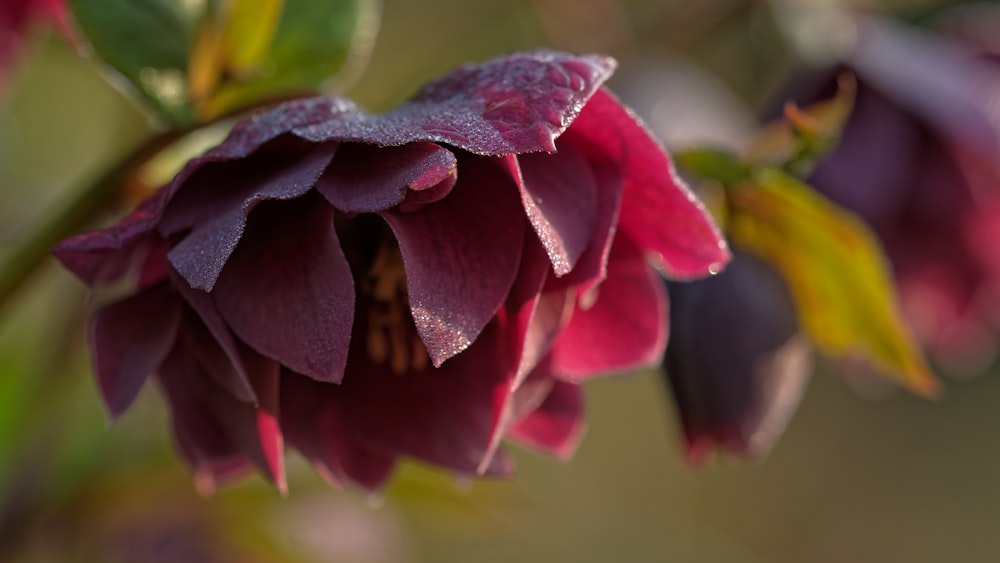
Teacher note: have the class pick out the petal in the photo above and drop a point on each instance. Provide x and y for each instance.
(128, 249)
(215, 360)
(658, 211)
(736, 363)
(288, 291)
(557, 426)
(215, 203)
(367, 178)
(200, 405)
(515, 104)
(440, 415)
(129, 339)
(230, 371)
(315, 427)
(559, 195)
(461, 255)
(624, 330)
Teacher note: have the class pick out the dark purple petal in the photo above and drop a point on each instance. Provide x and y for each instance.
(316, 428)
(367, 178)
(557, 426)
(442, 416)
(287, 290)
(658, 211)
(129, 339)
(461, 255)
(559, 195)
(129, 248)
(215, 203)
(515, 104)
(214, 424)
(624, 330)
(225, 368)
(736, 362)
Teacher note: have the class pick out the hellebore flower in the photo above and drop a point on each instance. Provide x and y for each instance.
(918, 161)
(420, 283)
(16, 16)
(739, 366)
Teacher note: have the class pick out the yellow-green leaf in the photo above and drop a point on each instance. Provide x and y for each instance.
(250, 29)
(836, 272)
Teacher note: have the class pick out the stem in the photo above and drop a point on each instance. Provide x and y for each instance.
(33, 248)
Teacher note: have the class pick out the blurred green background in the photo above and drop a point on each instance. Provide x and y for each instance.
(853, 479)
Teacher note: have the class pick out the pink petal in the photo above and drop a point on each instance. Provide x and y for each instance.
(461, 255)
(129, 339)
(287, 290)
(215, 203)
(658, 211)
(559, 194)
(514, 104)
(367, 178)
(626, 329)
(557, 427)
(591, 268)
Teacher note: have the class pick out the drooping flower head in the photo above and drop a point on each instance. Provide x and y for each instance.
(918, 160)
(421, 283)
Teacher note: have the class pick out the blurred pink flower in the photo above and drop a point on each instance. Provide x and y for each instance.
(422, 283)
(919, 160)
(16, 18)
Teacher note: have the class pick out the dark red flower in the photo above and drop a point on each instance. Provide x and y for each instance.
(738, 367)
(918, 161)
(420, 283)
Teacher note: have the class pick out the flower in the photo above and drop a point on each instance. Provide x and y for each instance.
(15, 18)
(738, 367)
(918, 162)
(420, 283)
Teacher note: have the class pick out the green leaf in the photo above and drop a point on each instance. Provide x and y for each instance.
(714, 164)
(314, 41)
(148, 42)
(836, 272)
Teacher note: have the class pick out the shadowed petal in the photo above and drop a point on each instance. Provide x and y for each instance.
(514, 104)
(658, 211)
(315, 427)
(129, 339)
(626, 328)
(557, 426)
(215, 204)
(461, 255)
(368, 178)
(217, 426)
(559, 195)
(440, 415)
(287, 290)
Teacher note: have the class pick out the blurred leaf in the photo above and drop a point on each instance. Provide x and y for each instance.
(799, 142)
(715, 164)
(250, 29)
(148, 42)
(314, 41)
(836, 272)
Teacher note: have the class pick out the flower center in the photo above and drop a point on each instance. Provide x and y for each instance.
(392, 337)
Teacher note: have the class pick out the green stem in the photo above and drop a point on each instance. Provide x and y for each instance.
(33, 248)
